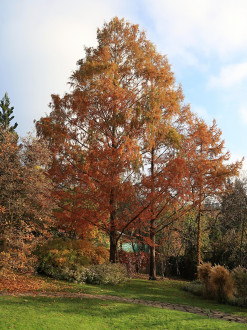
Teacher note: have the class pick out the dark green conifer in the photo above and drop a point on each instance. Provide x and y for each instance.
(6, 114)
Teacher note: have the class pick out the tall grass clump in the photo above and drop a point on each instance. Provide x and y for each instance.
(220, 283)
(217, 281)
(203, 272)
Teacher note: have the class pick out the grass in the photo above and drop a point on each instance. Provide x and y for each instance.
(165, 291)
(64, 313)
(60, 313)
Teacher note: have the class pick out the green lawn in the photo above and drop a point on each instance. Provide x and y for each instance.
(75, 313)
(60, 313)
(165, 291)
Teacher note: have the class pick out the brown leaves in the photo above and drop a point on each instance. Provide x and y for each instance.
(25, 200)
(18, 283)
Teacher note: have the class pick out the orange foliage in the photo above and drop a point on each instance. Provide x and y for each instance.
(122, 92)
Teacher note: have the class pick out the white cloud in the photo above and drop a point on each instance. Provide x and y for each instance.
(203, 27)
(230, 75)
(43, 40)
(243, 114)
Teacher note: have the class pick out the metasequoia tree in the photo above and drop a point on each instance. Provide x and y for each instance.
(6, 114)
(208, 167)
(121, 89)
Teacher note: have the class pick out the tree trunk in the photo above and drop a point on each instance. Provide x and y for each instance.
(152, 269)
(113, 231)
(241, 244)
(113, 203)
(162, 268)
(113, 249)
(198, 256)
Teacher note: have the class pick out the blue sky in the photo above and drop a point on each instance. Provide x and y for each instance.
(205, 42)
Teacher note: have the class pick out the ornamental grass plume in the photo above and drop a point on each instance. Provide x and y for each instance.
(203, 273)
(220, 283)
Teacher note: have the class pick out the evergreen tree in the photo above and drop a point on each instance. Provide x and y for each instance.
(5, 114)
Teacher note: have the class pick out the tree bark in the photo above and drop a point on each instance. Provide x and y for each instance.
(152, 269)
(241, 244)
(113, 249)
(198, 256)
(113, 232)
(113, 203)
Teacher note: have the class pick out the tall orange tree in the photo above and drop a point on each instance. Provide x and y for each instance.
(96, 131)
(208, 167)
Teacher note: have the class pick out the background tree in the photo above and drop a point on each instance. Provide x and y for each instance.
(229, 233)
(25, 196)
(188, 233)
(208, 167)
(6, 114)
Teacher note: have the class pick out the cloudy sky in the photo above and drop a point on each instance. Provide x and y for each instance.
(205, 42)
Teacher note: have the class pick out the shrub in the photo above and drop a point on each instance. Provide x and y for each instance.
(238, 301)
(66, 259)
(195, 287)
(203, 272)
(4, 263)
(106, 274)
(16, 261)
(239, 276)
(72, 260)
(59, 253)
(220, 283)
(91, 274)
(18, 245)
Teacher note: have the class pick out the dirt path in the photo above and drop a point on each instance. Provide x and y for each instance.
(176, 307)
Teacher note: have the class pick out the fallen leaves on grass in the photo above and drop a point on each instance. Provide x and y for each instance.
(23, 283)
